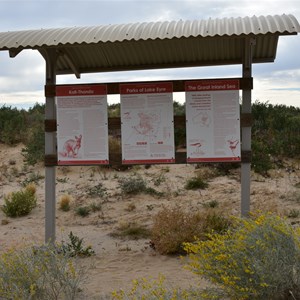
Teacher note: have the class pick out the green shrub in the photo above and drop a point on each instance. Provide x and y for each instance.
(94, 206)
(211, 204)
(75, 247)
(196, 183)
(20, 203)
(97, 191)
(259, 259)
(132, 185)
(83, 211)
(261, 160)
(172, 227)
(34, 150)
(38, 273)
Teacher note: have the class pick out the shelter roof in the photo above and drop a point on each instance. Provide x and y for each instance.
(155, 45)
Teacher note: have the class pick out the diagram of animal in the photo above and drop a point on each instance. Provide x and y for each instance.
(232, 145)
(197, 146)
(71, 147)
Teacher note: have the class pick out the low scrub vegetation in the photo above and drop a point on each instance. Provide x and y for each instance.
(20, 203)
(39, 273)
(173, 226)
(195, 183)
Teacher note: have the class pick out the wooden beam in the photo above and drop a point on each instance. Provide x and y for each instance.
(113, 88)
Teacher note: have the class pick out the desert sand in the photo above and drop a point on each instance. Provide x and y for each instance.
(117, 261)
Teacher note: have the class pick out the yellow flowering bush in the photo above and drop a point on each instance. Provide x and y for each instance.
(258, 259)
(38, 273)
(151, 289)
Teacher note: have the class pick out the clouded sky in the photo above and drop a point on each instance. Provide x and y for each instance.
(22, 78)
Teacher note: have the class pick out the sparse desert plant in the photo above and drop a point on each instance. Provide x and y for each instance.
(131, 230)
(75, 247)
(95, 206)
(153, 192)
(132, 185)
(38, 272)
(82, 211)
(173, 226)
(294, 213)
(65, 202)
(258, 259)
(97, 191)
(159, 179)
(62, 180)
(195, 183)
(20, 203)
(211, 204)
(33, 177)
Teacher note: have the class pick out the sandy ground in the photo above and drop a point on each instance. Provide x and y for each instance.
(119, 260)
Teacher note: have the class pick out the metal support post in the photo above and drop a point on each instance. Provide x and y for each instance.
(246, 131)
(50, 56)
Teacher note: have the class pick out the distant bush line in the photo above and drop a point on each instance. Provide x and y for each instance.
(275, 131)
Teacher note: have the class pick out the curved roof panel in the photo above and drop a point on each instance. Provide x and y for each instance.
(155, 45)
(145, 31)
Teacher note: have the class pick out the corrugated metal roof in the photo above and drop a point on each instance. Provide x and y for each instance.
(159, 44)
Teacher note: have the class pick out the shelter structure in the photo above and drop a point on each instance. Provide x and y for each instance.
(142, 46)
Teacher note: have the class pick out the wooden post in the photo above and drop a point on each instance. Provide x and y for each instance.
(246, 131)
(50, 56)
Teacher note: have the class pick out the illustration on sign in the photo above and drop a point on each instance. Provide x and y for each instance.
(71, 147)
(212, 121)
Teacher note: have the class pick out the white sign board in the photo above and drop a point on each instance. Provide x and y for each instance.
(82, 130)
(213, 121)
(147, 123)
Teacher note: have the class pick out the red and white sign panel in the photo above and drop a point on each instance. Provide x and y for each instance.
(82, 130)
(213, 121)
(147, 123)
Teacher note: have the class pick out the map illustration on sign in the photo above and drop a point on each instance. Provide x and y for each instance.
(147, 126)
(212, 121)
(147, 123)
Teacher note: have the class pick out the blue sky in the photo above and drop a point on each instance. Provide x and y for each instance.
(22, 78)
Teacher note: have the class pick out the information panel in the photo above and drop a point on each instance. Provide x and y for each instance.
(213, 121)
(147, 123)
(82, 129)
